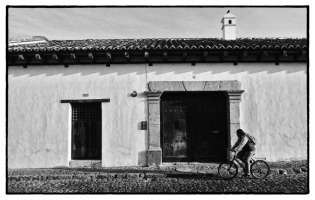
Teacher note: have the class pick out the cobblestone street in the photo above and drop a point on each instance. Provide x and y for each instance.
(202, 184)
(152, 181)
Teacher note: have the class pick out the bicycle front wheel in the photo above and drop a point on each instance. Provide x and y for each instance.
(227, 170)
(260, 169)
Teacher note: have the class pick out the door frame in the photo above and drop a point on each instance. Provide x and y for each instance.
(156, 89)
(81, 163)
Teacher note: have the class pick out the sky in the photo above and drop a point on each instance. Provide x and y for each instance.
(150, 22)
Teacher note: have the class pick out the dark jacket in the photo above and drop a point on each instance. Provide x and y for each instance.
(244, 143)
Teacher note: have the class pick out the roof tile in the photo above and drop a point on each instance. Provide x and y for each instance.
(166, 44)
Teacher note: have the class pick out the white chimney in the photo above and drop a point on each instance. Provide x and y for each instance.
(229, 26)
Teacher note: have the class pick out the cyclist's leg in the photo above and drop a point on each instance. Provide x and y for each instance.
(240, 155)
(239, 159)
(247, 157)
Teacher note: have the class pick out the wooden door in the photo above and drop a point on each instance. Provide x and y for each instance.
(86, 131)
(175, 136)
(207, 125)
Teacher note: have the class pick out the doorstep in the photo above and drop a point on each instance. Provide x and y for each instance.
(190, 167)
(85, 163)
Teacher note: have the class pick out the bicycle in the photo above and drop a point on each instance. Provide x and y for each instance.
(229, 169)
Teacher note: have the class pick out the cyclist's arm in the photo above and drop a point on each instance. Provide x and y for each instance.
(240, 145)
(236, 144)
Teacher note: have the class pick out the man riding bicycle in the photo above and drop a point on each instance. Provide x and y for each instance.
(245, 149)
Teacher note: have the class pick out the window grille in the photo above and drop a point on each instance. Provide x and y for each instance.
(86, 131)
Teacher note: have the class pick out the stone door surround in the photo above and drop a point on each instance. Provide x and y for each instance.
(156, 89)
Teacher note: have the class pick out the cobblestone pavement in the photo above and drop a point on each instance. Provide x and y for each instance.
(137, 180)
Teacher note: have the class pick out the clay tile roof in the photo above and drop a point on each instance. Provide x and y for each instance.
(157, 44)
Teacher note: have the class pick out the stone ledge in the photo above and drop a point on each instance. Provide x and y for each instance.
(227, 85)
(85, 163)
(87, 176)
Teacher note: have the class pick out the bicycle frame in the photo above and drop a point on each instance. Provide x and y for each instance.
(239, 162)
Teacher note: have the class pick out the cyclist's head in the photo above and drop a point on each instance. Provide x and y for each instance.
(240, 133)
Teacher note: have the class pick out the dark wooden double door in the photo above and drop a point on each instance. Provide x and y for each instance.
(194, 126)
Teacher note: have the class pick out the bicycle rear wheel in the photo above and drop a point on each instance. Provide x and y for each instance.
(260, 169)
(227, 170)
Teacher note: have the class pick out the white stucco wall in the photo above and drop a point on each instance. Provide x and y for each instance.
(229, 32)
(273, 108)
(39, 124)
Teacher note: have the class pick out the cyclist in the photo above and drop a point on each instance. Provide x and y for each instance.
(245, 149)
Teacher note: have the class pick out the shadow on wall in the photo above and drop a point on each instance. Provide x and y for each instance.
(215, 68)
